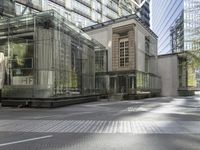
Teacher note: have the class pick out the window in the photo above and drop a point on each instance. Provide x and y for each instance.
(96, 5)
(82, 8)
(110, 13)
(81, 21)
(99, 60)
(123, 53)
(96, 16)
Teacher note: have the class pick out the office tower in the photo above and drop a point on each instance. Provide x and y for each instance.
(165, 14)
(81, 12)
(176, 23)
(144, 12)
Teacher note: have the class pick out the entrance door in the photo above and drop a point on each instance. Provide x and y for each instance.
(122, 84)
(113, 84)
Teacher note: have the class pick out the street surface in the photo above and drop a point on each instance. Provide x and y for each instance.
(150, 124)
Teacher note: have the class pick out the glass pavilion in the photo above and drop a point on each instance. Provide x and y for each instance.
(46, 56)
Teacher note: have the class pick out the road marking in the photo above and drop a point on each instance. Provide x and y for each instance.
(101, 126)
(27, 140)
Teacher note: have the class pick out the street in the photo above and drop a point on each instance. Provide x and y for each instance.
(149, 124)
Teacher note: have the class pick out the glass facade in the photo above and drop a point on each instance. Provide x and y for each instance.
(80, 12)
(191, 25)
(147, 82)
(7, 8)
(165, 14)
(188, 66)
(177, 35)
(101, 70)
(50, 5)
(144, 12)
(134, 82)
(101, 61)
(176, 23)
(46, 56)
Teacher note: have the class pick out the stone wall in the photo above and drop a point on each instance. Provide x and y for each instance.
(121, 32)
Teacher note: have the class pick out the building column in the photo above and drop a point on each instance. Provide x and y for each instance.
(115, 51)
(132, 49)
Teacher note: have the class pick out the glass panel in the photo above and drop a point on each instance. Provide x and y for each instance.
(123, 53)
(147, 82)
(21, 62)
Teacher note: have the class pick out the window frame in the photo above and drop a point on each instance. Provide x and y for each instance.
(123, 52)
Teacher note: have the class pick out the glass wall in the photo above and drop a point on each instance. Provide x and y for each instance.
(147, 82)
(164, 16)
(190, 68)
(189, 75)
(101, 83)
(191, 25)
(7, 8)
(21, 61)
(82, 13)
(134, 83)
(177, 35)
(50, 5)
(101, 69)
(81, 21)
(122, 83)
(46, 56)
(101, 62)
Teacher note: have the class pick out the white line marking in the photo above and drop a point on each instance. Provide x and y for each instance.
(27, 140)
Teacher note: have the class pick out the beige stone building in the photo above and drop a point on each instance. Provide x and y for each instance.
(130, 63)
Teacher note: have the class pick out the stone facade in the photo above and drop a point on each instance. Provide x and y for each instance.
(127, 31)
(132, 49)
(115, 51)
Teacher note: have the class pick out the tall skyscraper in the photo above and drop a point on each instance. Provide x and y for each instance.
(165, 14)
(177, 23)
(81, 12)
(144, 12)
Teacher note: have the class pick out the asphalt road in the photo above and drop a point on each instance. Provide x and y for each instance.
(150, 124)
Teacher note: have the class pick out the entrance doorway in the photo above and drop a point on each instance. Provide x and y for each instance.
(122, 84)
